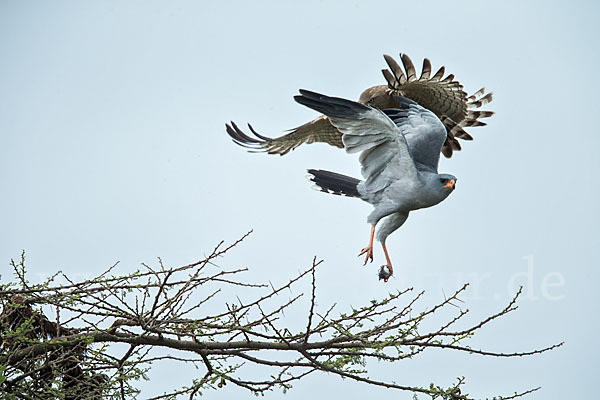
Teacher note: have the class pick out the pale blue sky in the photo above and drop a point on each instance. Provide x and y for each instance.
(113, 148)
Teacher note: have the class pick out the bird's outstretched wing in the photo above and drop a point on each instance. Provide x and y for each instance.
(317, 130)
(442, 95)
(385, 156)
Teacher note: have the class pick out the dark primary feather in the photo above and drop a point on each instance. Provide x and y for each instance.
(426, 69)
(411, 73)
(330, 106)
(397, 74)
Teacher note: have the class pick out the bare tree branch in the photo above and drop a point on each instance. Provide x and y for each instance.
(187, 313)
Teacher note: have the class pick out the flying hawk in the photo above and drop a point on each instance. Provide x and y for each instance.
(443, 96)
(399, 154)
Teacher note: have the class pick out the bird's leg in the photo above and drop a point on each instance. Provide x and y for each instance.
(388, 261)
(369, 249)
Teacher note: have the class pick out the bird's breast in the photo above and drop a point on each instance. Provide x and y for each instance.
(411, 195)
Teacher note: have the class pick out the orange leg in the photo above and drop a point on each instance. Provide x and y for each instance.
(369, 249)
(389, 262)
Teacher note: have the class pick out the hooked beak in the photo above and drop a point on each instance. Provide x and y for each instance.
(450, 184)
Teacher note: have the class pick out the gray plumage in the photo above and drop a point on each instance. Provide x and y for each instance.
(399, 155)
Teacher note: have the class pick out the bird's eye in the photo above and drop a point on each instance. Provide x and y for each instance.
(443, 180)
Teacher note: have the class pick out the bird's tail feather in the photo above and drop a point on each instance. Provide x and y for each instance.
(334, 183)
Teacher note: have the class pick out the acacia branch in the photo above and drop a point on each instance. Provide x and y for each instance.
(162, 308)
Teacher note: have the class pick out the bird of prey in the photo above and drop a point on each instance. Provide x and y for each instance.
(399, 154)
(443, 96)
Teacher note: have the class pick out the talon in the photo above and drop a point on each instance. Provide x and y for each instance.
(369, 249)
(369, 252)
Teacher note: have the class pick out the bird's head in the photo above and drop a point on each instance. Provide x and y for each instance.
(446, 183)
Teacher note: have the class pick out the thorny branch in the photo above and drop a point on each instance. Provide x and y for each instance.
(186, 315)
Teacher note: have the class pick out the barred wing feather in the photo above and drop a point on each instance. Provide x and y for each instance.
(444, 96)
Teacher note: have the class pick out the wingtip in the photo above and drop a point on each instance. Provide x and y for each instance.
(388, 59)
(308, 93)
